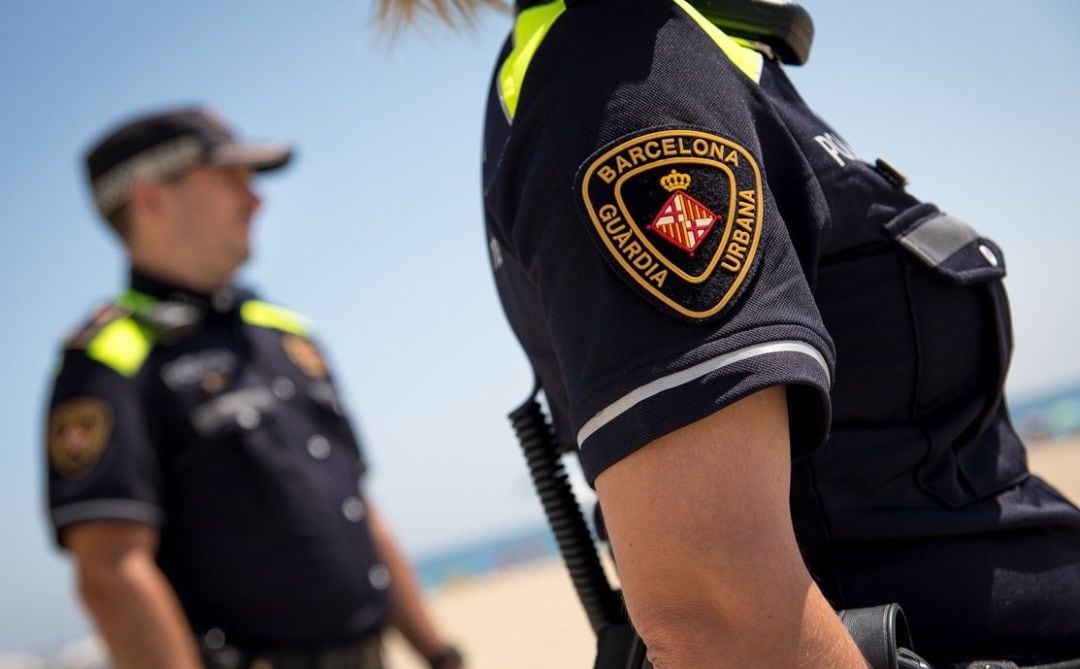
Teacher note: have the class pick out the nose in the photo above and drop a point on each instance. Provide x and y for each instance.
(254, 200)
(251, 198)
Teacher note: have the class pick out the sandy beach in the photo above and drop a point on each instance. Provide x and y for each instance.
(529, 617)
(1058, 463)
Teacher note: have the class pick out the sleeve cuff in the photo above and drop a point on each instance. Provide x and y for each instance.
(107, 509)
(670, 402)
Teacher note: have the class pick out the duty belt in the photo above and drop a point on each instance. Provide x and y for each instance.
(363, 654)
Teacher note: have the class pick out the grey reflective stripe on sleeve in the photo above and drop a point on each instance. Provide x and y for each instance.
(634, 397)
(937, 238)
(108, 509)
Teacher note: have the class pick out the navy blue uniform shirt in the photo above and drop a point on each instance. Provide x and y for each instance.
(215, 420)
(672, 228)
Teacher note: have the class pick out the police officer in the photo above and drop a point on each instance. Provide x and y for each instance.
(202, 471)
(707, 280)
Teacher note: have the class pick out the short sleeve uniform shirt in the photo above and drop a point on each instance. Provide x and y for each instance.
(215, 419)
(672, 228)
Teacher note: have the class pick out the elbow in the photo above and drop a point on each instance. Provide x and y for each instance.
(98, 590)
(105, 587)
(672, 631)
(687, 631)
(696, 626)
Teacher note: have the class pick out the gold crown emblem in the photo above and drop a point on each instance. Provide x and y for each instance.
(675, 181)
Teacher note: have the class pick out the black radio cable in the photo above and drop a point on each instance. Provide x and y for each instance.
(603, 605)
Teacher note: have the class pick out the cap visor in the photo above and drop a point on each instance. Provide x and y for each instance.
(259, 157)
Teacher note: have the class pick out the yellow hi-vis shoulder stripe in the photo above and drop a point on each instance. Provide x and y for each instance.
(266, 315)
(122, 345)
(133, 300)
(532, 26)
(747, 60)
(529, 30)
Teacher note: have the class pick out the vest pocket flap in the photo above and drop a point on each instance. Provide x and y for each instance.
(947, 245)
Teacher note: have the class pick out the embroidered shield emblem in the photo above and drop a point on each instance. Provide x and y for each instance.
(78, 430)
(678, 215)
(304, 355)
(683, 221)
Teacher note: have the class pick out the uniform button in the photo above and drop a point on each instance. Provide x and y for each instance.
(282, 388)
(248, 418)
(318, 446)
(214, 639)
(379, 577)
(989, 254)
(222, 301)
(353, 509)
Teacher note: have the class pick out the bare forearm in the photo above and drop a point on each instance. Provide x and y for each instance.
(806, 636)
(771, 615)
(408, 613)
(136, 611)
(707, 557)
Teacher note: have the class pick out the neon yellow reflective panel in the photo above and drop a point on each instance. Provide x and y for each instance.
(266, 315)
(122, 345)
(529, 31)
(747, 60)
(135, 301)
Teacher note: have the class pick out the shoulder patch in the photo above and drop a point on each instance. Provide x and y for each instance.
(305, 355)
(678, 215)
(77, 432)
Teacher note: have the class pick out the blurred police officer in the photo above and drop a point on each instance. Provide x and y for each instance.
(202, 472)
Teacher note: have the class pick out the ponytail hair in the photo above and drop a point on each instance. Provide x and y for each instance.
(396, 14)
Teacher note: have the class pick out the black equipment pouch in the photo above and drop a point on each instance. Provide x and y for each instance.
(880, 633)
(1005, 664)
(882, 636)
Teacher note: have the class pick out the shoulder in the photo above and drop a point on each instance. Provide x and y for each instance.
(292, 329)
(267, 315)
(602, 70)
(100, 317)
(113, 338)
(627, 38)
(97, 363)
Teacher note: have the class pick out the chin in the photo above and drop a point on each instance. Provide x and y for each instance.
(238, 261)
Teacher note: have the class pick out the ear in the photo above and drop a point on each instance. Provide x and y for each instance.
(148, 199)
(149, 217)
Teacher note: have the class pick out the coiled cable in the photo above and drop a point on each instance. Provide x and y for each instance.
(603, 605)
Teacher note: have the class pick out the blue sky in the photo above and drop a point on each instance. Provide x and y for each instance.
(375, 231)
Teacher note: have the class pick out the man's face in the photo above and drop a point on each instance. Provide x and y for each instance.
(213, 208)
